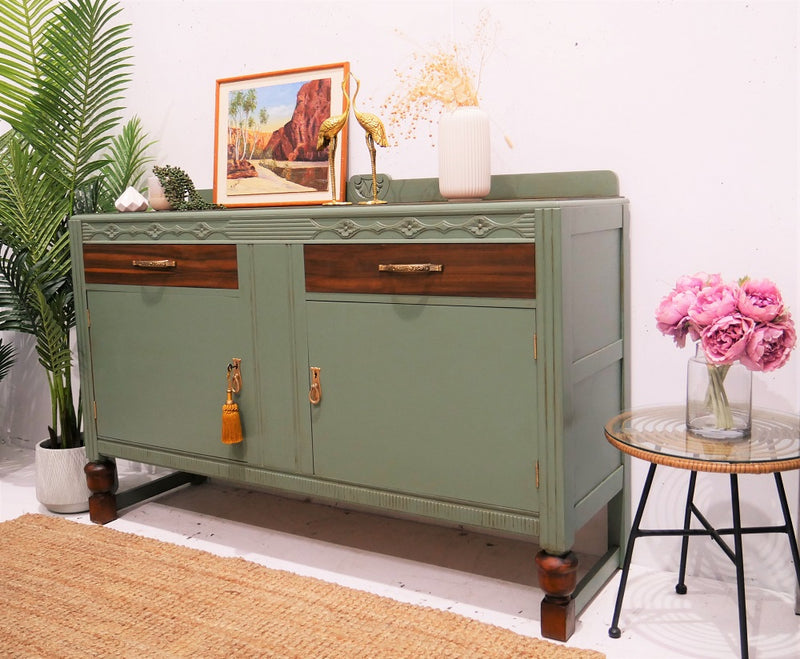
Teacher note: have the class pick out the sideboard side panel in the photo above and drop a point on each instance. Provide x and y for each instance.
(579, 268)
(594, 332)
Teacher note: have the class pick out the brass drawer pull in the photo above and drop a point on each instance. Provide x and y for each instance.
(315, 393)
(161, 264)
(411, 268)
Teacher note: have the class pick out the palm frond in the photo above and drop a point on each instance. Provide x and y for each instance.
(17, 316)
(52, 337)
(78, 95)
(21, 285)
(34, 209)
(126, 163)
(7, 354)
(90, 82)
(21, 28)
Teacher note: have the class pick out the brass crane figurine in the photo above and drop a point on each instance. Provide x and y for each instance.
(375, 134)
(328, 136)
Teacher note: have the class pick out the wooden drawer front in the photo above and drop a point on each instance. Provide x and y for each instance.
(474, 270)
(198, 266)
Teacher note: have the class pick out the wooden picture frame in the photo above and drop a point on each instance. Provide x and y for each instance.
(265, 138)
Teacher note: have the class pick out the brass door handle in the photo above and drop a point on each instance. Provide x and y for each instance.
(410, 268)
(158, 264)
(315, 393)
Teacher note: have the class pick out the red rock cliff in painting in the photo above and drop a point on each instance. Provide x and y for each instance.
(297, 140)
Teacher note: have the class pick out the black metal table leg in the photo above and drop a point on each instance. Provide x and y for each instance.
(614, 631)
(680, 587)
(737, 538)
(787, 518)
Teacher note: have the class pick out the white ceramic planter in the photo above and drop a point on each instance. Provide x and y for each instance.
(60, 480)
(155, 192)
(464, 154)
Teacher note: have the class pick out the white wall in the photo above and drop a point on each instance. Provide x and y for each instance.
(693, 104)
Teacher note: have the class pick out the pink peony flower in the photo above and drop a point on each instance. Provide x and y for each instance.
(760, 300)
(672, 318)
(745, 321)
(725, 340)
(769, 346)
(697, 281)
(693, 283)
(712, 303)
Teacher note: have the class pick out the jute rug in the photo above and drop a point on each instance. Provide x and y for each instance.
(78, 590)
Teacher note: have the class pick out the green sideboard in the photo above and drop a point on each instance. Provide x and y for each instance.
(467, 354)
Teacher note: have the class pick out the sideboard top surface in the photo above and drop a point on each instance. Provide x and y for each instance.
(414, 210)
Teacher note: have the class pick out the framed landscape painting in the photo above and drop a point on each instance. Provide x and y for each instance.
(266, 133)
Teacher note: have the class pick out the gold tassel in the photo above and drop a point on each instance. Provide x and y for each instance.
(231, 421)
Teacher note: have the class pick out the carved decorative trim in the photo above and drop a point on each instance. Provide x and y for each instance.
(479, 226)
(244, 228)
(154, 230)
(361, 185)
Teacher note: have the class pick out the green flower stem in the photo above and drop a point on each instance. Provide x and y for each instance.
(717, 398)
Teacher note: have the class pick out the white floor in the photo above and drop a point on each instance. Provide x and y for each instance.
(488, 578)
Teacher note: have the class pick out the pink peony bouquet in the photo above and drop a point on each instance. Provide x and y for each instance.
(745, 321)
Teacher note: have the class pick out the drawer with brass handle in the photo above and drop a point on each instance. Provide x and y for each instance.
(457, 269)
(198, 266)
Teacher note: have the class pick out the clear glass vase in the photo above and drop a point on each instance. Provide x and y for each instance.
(718, 399)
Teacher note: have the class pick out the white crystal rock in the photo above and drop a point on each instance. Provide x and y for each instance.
(131, 201)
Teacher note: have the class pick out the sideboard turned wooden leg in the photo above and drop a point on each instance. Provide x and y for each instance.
(101, 479)
(558, 576)
(105, 502)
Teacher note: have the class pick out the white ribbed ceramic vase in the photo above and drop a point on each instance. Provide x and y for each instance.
(60, 479)
(464, 154)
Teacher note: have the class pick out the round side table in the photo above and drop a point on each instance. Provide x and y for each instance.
(658, 435)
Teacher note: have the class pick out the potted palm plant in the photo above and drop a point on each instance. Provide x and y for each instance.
(64, 69)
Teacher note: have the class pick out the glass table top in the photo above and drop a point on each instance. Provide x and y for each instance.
(658, 434)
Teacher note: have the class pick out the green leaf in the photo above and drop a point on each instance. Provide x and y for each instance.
(7, 354)
(21, 28)
(76, 98)
(34, 206)
(126, 163)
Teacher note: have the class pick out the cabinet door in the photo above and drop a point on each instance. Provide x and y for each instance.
(436, 400)
(160, 351)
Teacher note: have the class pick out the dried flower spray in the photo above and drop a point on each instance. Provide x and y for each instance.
(444, 77)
